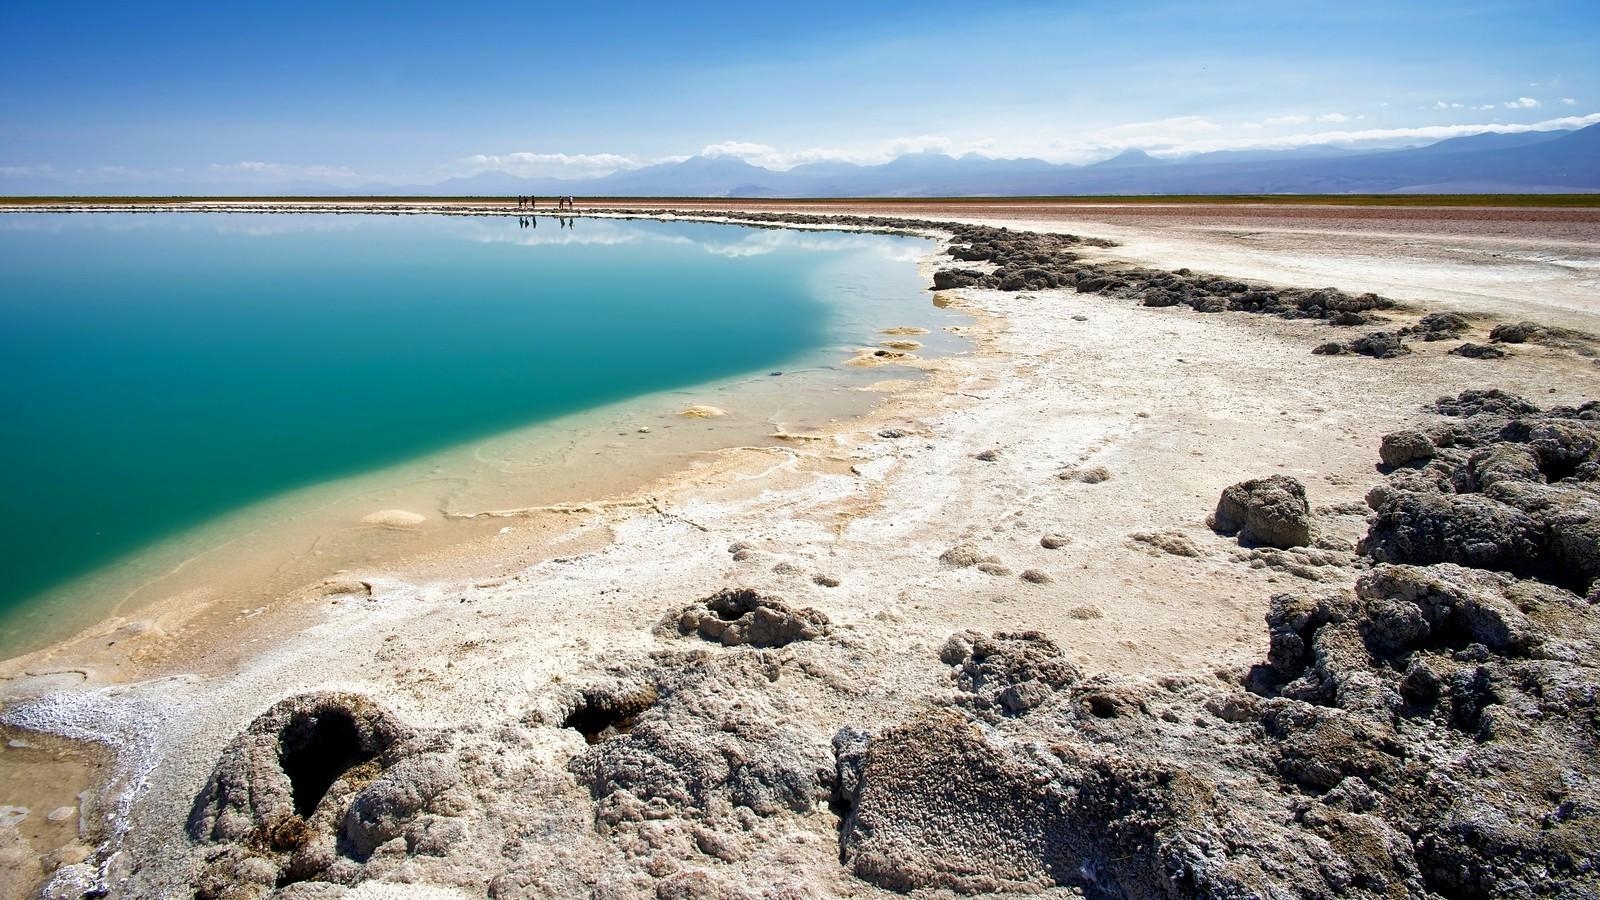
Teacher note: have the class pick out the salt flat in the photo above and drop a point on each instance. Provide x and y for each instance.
(491, 647)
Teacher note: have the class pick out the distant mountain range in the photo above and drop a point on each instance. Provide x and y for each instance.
(1526, 162)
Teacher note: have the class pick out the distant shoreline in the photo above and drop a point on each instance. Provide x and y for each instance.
(1554, 201)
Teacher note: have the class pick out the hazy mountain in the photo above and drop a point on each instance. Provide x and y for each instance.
(1483, 163)
(1541, 161)
(1128, 158)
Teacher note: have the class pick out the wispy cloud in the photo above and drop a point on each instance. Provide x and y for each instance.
(553, 165)
(27, 171)
(1568, 101)
(863, 154)
(1370, 136)
(1523, 103)
(256, 170)
(1443, 105)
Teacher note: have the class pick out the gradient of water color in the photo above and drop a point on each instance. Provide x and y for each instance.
(160, 370)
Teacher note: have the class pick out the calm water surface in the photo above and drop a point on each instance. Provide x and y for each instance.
(161, 370)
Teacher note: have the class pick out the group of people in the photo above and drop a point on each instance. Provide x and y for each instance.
(533, 202)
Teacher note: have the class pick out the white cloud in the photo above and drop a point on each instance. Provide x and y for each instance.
(1523, 103)
(741, 149)
(1334, 117)
(1286, 120)
(1568, 101)
(263, 171)
(1485, 106)
(26, 171)
(1443, 105)
(1368, 136)
(769, 157)
(557, 165)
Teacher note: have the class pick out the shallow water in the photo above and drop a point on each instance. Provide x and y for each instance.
(171, 371)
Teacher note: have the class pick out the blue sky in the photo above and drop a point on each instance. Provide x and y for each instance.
(234, 96)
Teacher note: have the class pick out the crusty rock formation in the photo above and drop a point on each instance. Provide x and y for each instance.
(312, 790)
(738, 616)
(1507, 487)
(1272, 511)
(1008, 674)
(1429, 734)
(1378, 345)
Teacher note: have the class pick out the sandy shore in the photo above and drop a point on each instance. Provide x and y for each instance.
(485, 640)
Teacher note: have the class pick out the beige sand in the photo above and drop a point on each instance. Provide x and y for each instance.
(1172, 404)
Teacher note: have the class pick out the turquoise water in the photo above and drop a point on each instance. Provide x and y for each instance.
(160, 370)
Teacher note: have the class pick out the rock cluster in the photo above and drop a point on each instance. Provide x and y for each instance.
(1501, 486)
(740, 616)
(1007, 673)
(1429, 734)
(1549, 335)
(1271, 511)
(707, 749)
(1378, 345)
(1478, 351)
(1025, 261)
(316, 789)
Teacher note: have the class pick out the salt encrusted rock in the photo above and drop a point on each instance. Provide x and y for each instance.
(1489, 402)
(1516, 332)
(385, 809)
(740, 616)
(695, 768)
(312, 789)
(1380, 345)
(1175, 543)
(1389, 748)
(1271, 511)
(963, 556)
(1468, 530)
(288, 761)
(1441, 326)
(1009, 673)
(712, 750)
(937, 806)
(948, 279)
(1509, 487)
(1401, 447)
(1089, 475)
(1478, 351)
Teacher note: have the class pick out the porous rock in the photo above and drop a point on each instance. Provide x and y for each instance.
(1175, 543)
(1007, 672)
(310, 790)
(741, 616)
(1509, 487)
(1271, 511)
(1401, 447)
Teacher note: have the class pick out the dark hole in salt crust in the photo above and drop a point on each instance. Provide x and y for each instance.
(1100, 707)
(314, 751)
(602, 716)
(731, 606)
